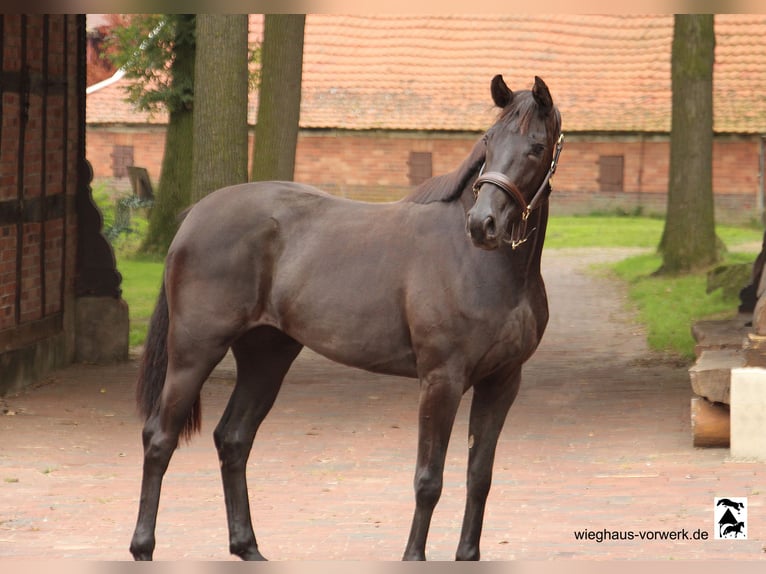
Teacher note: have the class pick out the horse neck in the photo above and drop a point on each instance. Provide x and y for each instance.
(526, 259)
(539, 238)
(467, 197)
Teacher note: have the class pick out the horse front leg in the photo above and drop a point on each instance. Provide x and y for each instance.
(439, 400)
(491, 401)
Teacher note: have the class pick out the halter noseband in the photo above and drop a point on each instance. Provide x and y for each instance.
(519, 234)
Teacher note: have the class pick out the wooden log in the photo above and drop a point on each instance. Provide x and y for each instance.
(710, 423)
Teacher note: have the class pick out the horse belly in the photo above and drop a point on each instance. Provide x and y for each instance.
(348, 320)
(375, 345)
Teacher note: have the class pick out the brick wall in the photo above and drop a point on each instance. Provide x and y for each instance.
(645, 167)
(374, 165)
(148, 143)
(735, 164)
(39, 157)
(362, 165)
(736, 181)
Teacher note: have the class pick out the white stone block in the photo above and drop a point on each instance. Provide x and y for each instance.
(748, 413)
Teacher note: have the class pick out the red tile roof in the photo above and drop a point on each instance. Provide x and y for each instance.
(606, 72)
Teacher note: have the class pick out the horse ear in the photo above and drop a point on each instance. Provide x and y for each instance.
(501, 93)
(542, 96)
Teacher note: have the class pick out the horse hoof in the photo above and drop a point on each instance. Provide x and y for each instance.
(248, 554)
(471, 557)
(142, 552)
(141, 555)
(415, 557)
(254, 557)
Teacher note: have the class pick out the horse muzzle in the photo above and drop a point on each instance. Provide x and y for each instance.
(486, 229)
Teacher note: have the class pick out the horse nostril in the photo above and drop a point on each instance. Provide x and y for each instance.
(489, 227)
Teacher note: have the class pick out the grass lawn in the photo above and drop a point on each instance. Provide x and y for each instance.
(668, 306)
(622, 231)
(140, 286)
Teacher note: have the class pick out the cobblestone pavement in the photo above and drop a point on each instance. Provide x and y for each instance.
(599, 439)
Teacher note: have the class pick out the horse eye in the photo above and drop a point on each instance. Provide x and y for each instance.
(537, 149)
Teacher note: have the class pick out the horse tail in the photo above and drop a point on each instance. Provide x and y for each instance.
(154, 366)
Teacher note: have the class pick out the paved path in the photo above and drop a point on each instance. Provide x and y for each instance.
(598, 439)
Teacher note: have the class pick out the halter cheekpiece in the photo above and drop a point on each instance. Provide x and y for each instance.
(519, 233)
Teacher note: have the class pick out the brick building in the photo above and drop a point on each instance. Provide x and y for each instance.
(54, 263)
(389, 100)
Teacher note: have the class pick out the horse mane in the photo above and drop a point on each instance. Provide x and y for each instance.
(450, 186)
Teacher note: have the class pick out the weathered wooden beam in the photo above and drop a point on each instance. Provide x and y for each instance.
(711, 374)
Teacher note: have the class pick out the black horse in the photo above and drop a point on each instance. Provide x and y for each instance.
(266, 268)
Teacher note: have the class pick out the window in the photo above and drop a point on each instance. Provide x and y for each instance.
(610, 172)
(420, 167)
(122, 157)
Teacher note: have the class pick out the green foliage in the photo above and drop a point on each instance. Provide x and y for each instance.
(254, 65)
(124, 222)
(125, 219)
(145, 50)
(103, 199)
(730, 278)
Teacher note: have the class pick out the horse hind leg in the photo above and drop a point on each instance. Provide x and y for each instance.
(263, 358)
(187, 370)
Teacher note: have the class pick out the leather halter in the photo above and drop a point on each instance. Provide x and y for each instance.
(519, 233)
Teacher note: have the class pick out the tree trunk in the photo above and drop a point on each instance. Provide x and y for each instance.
(689, 240)
(220, 103)
(279, 98)
(174, 188)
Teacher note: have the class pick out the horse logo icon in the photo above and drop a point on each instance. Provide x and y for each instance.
(731, 518)
(729, 503)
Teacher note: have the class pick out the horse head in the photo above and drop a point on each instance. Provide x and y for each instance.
(521, 152)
